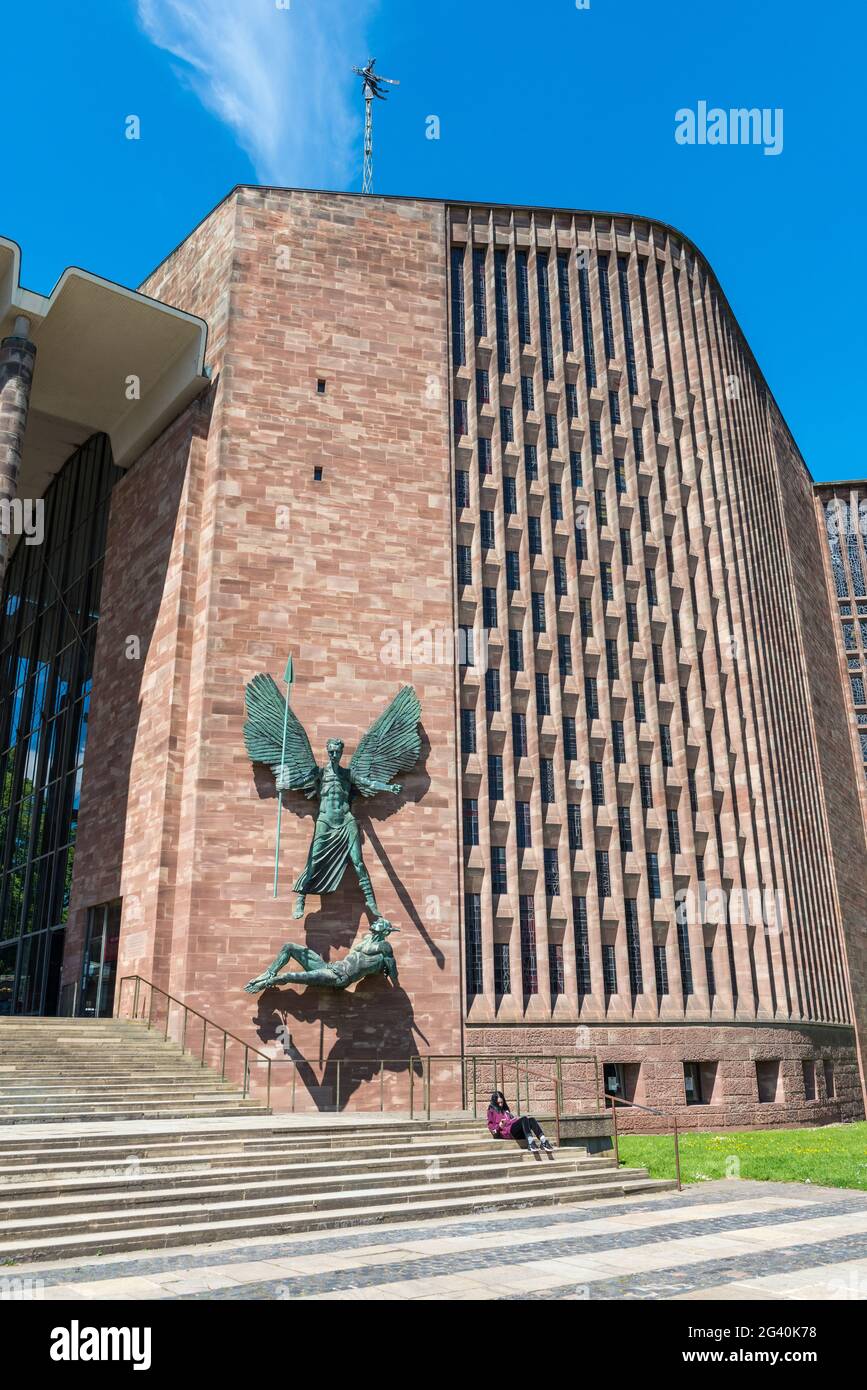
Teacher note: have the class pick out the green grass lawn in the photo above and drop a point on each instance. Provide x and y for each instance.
(834, 1156)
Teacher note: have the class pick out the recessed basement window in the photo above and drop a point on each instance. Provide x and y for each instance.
(320, 386)
(317, 474)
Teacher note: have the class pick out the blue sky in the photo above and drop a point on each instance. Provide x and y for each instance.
(538, 103)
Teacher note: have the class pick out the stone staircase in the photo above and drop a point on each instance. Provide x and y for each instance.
(80, 1069)
(88, 1168)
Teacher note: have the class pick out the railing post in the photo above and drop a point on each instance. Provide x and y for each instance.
(677, 1156)
(223, 1067)
(246, 1069)
(184, 1031)
(268, 1092)
(428, 1085)
(135, 997)
(557, 1108)
(204, 1034)
(475, 1091)
(294, 1081)
(337, 1088)
(168, 1015)
(559, 1086)
(614, 1132)
(381, 1085)
(150, 1007)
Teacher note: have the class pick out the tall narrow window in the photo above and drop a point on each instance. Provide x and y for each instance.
(545, 316)
(462, 488)
(586, 611)
(605, 301)
(660, 969)
(595, 438)
(618, 742)
(570, 738)
(502, 968)
(633, 947)
(637, 445)
(582, 944)
(564, 653)
(510, 496)
(468, 730)
(574, 814)
(603, 874)
(552, 873)
(538, 612)
(645, 313)
(685, 958)
(516, 650)
(480, 295)
(489, 606)
(522, 824)
(471, 821)
(597, 784)
(606, 580)
(465, 568)
(586, 320)
(495, 776)
(638, 703)
(507, 428)
(513, 570)
(501, 289)
(531, 463)
(492, 690)
(499, 882)
(673, 831)
(611, 662)
(523, 297)
(575, 468)
(565, 301)
(534, 531)
(459, 341)
(473, 937)
(519, 734)
(646, 786)
(653, 885)
(561, 585)
(485, 463)
(487, 529)
(665, 744)
(591, 696)
(623, 279)
(556, 970)
(529, 970)
(624, 827)
(546, 781)
(528, 395)
(609, 968)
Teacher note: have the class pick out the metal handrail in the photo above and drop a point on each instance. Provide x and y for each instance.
(207, 1022)
(633, 1105)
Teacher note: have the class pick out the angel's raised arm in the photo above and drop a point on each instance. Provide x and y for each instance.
(295, 770)
(392, 744)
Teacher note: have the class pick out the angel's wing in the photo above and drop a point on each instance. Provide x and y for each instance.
(391, 744)
(263, 737)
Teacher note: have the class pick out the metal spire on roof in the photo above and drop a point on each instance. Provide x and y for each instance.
(371, 87)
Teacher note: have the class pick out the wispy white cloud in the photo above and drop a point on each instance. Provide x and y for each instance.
(280, 78)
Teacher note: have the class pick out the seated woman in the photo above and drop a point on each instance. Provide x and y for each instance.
(503, 1125)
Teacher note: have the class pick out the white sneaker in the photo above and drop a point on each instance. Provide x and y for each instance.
(532, 1146)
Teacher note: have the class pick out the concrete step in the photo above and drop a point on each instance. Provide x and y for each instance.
(114, 1214)
(140, 1112)
(91, 1202)
(28, 1183)
(34, 1165)
(165, 1235)
(340, 1135)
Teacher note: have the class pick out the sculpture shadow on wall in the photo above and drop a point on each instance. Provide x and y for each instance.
(381, 809)
(372, 1020)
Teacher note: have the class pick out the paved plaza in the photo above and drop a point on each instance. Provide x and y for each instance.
(722, 1240)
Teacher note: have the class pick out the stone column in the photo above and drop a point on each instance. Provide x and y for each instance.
(17, 359)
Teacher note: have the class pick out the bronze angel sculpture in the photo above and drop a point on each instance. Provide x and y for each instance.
(274, 735)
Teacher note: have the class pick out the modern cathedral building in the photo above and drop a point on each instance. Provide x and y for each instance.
(524, 460)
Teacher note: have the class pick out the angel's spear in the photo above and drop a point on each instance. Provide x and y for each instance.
(288, 677)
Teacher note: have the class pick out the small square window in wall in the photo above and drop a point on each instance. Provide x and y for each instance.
(700, 1083)
(769, 1082)
(320, 385)
(317, 474)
